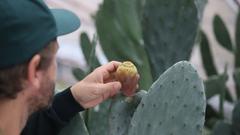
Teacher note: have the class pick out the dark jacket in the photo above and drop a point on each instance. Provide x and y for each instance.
(51, 120)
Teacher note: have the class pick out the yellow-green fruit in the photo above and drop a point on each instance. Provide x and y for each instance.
(125, 70)
(126, 74)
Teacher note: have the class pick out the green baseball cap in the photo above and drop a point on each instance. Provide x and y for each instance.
(27, 26)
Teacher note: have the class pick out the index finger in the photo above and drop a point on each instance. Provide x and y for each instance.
(107, 69)
(111, 66)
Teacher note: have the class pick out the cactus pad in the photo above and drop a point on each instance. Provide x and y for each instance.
(121, 112)
(174, 105)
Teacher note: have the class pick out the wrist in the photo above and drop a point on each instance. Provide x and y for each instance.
(65, 105)
(75, 93)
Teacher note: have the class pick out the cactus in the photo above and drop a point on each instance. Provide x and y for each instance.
(216, 84)
(223, 37)
(222, 34)
(237, 48)
(99, 113)
(236, 76)
(88, 48)
(200, 4)
(77, 124)
(167, 25)
(208, 61)
(206, 56)
(222, 128)
(119, 30)
(120, 34)
(121, 19)
(75, 127)
(175, 104)
(236, 119)
(121, 112)
(97, 123)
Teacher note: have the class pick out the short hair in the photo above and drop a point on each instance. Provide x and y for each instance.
(11, 79)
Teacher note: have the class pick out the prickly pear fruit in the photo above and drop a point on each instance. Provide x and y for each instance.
(126, 69)
(127, 74)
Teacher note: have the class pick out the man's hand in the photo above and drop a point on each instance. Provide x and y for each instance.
(99, 86)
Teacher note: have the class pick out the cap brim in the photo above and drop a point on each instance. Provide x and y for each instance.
(66, 21)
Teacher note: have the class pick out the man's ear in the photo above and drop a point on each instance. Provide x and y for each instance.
(33, 73)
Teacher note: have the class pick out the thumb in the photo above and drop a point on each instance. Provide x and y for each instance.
(109, 89)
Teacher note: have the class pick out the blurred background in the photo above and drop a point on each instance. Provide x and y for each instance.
(70, 54)
(218, 16)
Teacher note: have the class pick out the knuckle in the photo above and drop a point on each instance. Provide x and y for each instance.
(104, 72)
(96, 91)
(97, 69)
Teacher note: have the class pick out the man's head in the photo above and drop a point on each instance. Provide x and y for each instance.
(28, 32)
(35, 78)
(12, 78)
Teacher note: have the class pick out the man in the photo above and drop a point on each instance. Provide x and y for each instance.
(28, 46)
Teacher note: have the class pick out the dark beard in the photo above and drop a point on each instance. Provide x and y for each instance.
(45, 97)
